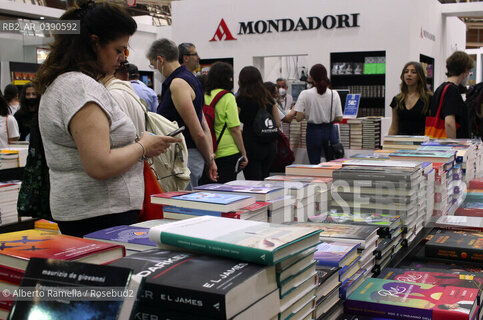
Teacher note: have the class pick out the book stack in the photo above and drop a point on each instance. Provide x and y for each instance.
(473, 204)
(324, 169)
(344, 135)
(321, 187)
(380, 187)
(406, 300)
(371, 133)
(281, 210)
(402, 142)
(356, 131)
(17, 248)
(327, 293)
(9, 159)
(455, 245)
(301, 192)
(364, 236)
(8, 201)
(276, 247)
(443, 190)
(16, 151)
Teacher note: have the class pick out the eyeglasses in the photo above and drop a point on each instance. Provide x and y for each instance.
(126, 52)
(191, 54)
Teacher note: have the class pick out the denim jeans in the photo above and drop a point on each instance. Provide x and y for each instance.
(317, 140)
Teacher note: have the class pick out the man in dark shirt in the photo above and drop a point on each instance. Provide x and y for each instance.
(453, 109)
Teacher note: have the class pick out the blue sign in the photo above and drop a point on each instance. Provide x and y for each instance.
(352, 105)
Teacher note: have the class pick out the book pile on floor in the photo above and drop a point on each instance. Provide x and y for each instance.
(263, 271)
(8, 201)
(17, 248)
(393, 188)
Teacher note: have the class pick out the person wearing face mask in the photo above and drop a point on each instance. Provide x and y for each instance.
(28, 108)
(10, 93)
(411, 106)
(453, 109)
(284, 100)
(182, 100)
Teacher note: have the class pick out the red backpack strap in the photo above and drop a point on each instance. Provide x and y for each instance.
(217, 98)
(441, 101)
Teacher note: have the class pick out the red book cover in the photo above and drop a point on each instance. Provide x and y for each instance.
(16, 248)
(470, 211)
(476, 183)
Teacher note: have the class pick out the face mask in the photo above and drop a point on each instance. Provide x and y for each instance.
(282, 91)
(160, 73)
(30, 102)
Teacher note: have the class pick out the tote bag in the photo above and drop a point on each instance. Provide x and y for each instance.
(435, 126)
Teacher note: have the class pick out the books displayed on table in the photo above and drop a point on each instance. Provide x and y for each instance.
(132, 238)
(258, 192)
(245, 240)
(80, 288)
(8, 201)
(208, 286)
(323, 169)
(452, 244)
(406, 300)
(463, 223)
(203, 200)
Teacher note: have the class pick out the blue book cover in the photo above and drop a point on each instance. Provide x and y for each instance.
(194, 212)
(211, 197)
(123, 234)
(424, 153)
(238, 188)
(333, 254)
(350, 282)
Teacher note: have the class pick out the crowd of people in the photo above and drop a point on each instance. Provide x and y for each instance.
(91, 115)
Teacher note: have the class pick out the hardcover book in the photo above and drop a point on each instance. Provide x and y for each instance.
(133, 238)
(260, 193)
(296, 188)
(323, 169)
(450, 244)
(245, 240)
(215, 287)
(405, 300)
(335, 254)
(80, 289)
(460, 223)
(203, 200)
(328, 280)
(18, 247)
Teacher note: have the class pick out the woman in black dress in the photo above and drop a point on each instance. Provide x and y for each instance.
(411, 106)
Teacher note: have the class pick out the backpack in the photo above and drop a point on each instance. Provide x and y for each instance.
(285, 155)
(209, 112)
(473, 96)
(171, 167)
(264, 126)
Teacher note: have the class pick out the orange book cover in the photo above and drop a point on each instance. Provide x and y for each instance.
(45, 224)
(16, 248)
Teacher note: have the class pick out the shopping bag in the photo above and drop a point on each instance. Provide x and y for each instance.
(150, 211)
(435, 126)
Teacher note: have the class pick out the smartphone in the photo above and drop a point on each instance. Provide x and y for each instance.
(175, 132)
(238, 162)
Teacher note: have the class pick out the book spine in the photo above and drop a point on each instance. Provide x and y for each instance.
(193, 212)
(218, 248)
(381, 310)
(467, 254)
(183, 300)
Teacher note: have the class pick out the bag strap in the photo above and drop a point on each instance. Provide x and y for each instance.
(213, 103)
(331, 102)
(6, 126)
(441, 101)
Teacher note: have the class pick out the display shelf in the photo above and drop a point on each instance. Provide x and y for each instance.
(428, 66)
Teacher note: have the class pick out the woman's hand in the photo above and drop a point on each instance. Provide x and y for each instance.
(244, 163)
(154, 145)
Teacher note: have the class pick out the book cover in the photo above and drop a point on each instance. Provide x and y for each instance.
(73, 290)
(203, 200)
(209, 286)
(260, 193)
(18, 247)
(451, 244)
(246, 240)
(129, 236)
(439, 277)
(460, 223)
(352, 283)
(259, 205)
(383, 163)
(335, 254)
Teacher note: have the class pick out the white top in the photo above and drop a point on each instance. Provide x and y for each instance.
(13, 132)
(317, 107)
(13, 108)
(285, 103)
(74, 195)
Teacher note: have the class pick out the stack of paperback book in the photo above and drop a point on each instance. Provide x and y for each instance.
(402, 142)
(8, 201)
(356, 132)
(408, 300)
(301, 192)
(320, 187)
(284, 253)
(324, 169)
(344, 135)
(381, 187)
(17, 248)
(371, 133)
